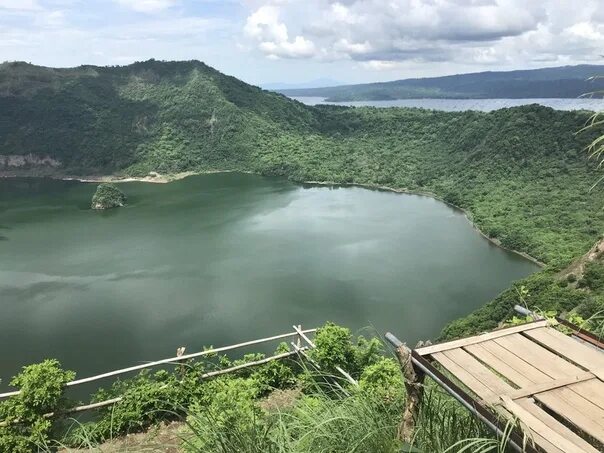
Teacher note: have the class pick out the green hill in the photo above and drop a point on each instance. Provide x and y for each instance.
(166, 116)
(562, 82)
(522, 174)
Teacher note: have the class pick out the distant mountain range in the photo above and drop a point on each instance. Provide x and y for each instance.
(560, 82)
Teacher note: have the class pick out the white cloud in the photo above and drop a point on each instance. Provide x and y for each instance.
(352, 40)
(147, 6)
(586, 30)
(341, 13)
(265, 27)
(343, 45)
(298, 48)
(56, 38)
(20, 5)
(379, 65)
(380, 34)
(49, 19)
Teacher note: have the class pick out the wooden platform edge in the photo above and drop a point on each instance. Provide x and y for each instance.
(535, 389)
(427, 350)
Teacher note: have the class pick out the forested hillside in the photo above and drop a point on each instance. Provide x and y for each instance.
(166, 116)
(522, 174)
(562, 82)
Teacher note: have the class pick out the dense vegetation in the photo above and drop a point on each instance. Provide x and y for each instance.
(282, 406)
(107, 196)
(522, 174)
(562, 82)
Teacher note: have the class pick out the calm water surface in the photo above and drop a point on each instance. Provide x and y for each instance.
(460, 105)
(223, 258)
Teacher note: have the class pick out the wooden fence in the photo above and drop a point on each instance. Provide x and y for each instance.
(298, 334)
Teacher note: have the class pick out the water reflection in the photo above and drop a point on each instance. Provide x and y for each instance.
(219, 259)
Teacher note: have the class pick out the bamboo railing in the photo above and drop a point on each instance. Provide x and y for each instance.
(179, 358)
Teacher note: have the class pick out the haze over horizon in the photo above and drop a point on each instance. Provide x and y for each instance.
(268, 42)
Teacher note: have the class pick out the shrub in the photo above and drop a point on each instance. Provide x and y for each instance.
(150, 398)
(593, 277)
(274, 375)
(42, 391)
(228, 419)
(336, 349)
(147, 398)
(383, 380)
(592, 306)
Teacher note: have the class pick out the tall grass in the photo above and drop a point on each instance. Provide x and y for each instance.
(331, 422)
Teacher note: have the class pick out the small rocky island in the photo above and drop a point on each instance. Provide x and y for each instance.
(108, 196)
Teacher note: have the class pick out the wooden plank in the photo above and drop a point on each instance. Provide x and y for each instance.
(477, 387)
(546, 361)
(563, 401)
(498, 364)
(532, 374)
(592, 390)
(530, 437)
(541, 428)
(551, 385)
(573, 415)
(480, 338)
(529, 405)
(583, 404)
(585, 356)
(478, 370)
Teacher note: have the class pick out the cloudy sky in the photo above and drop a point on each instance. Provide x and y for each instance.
(296, 41)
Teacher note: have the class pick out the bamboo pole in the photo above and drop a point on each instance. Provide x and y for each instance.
(87, 407)
(249, 364)
(298, 338)
(298, 349)
(171, 360)
(348, 377)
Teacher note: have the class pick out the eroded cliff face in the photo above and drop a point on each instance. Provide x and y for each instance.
(578, 267)
(15, 161)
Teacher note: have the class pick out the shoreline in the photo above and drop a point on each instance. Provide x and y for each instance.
(465, 212)
(153, 177)
(156, 178)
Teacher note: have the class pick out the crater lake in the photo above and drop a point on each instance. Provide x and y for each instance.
(223, 258)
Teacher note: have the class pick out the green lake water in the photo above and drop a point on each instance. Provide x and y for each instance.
(224, 258)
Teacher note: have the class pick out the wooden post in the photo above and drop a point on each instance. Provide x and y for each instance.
(414, 385)
(299, 339)
(179, 353)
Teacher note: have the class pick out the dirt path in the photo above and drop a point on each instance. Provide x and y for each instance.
(164, 438)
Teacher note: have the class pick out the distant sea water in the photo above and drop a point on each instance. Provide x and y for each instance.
(458, 105)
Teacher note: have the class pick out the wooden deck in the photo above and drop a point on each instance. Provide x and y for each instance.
(550, 382)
